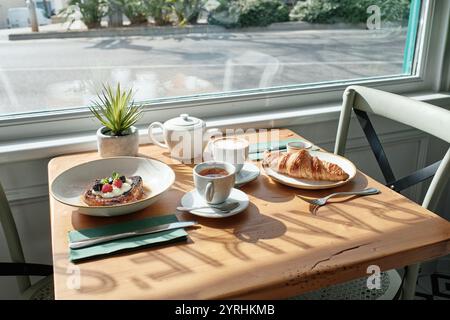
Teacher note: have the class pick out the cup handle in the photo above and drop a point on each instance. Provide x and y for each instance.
(209, 192)
(152, 137)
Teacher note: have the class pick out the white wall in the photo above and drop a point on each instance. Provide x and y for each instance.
(26, 182)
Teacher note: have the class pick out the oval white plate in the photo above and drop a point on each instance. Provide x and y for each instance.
(70, 185)
(194, 199)
(344, 163)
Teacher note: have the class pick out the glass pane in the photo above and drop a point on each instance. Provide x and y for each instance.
(171, 48)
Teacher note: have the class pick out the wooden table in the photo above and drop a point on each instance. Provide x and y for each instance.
(275, 249)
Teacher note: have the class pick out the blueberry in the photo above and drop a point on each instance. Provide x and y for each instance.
(123, 179)
(97, 187)
(110, 180)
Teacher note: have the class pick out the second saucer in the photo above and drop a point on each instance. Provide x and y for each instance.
(249, 172)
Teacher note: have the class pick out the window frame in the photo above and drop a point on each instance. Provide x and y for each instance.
(46, 124)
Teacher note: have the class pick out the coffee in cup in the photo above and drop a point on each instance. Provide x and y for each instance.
(213, 172)
(214, 180)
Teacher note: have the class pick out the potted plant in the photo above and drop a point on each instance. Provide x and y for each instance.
(117, 113)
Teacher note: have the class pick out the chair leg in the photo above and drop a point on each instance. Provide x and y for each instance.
(409, 285)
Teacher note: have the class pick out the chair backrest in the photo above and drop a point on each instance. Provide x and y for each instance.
(423, 116)
(12, 238)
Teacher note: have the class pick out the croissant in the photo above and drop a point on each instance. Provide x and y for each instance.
(302, 165)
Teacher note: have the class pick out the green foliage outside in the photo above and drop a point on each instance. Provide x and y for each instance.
(263, 13)
(137, 11)
(249, 13)
(226, 14)
(240, 13)
(161, 11)
(349, 11)
(92, 11)
(187, 11)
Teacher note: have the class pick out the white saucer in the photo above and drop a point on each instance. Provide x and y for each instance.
(249, 172)
(194, 199)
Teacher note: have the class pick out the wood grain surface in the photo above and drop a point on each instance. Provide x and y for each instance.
(275, 249)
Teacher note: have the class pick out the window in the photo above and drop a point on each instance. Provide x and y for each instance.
(232, 48)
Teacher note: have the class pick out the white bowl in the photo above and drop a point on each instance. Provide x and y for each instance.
(70, 185)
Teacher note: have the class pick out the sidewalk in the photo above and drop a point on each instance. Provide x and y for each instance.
(47, 29)
(59, 31)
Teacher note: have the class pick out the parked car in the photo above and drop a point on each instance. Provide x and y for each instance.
(20, 17)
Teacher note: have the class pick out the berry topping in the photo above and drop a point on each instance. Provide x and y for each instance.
(123, 179)
(110, 180)
(98, 186)
(107, 188)
(117, 183)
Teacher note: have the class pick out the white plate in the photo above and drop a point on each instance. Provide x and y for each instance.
(70, 185)
(194, 199)
(248, 173)
(344, 163)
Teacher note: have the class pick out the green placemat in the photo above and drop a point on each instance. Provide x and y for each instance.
(128, 243)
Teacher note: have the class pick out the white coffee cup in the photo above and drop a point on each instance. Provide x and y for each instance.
(214, 189)
(230, 149)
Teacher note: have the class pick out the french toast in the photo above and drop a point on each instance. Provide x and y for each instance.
(114, 192)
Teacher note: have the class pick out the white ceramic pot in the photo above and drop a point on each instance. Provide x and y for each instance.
(114, 146)
(183, 136)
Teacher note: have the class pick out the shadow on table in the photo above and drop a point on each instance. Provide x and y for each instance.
(388, 210)
(364, 213)
(360, 182)
(99, 282)
(269, 190)
(249, 226)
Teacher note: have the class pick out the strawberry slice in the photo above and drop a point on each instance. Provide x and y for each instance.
(117, 183)
(107, 188)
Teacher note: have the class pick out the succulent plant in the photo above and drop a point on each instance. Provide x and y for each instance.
(116, 110)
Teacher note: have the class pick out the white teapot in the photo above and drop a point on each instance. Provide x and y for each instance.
(183, 136)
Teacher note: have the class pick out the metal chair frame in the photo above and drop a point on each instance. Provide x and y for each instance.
(423, 116)
(18, 267)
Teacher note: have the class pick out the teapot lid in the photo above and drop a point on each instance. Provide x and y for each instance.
(184, 121)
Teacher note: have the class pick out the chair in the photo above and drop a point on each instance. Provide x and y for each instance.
(42, 289)
(423, 116)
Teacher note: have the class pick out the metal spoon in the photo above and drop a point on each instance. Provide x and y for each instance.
(227, 207)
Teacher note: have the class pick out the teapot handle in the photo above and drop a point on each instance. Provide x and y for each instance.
(152, 137)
